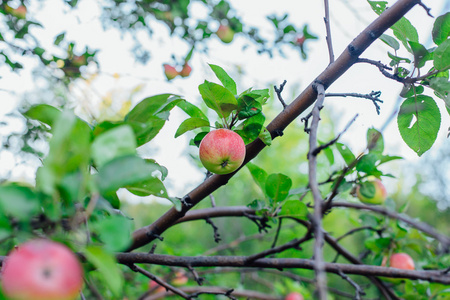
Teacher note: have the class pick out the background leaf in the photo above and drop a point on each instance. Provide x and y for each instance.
(113, 143)
(278, 186)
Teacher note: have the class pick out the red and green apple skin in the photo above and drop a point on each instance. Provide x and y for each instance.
(170, 71)
(225, 33)
(41, 270)
(186, 71)
(222, 151)
(401, 261)
(378, 195)
(294, 296)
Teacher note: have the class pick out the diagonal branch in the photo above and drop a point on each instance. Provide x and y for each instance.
(144, 235)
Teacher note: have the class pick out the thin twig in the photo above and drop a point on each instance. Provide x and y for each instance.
(328, 29)
(373, 96)
(159, 281)
(278, 91)
(321, 147)
(358, 290)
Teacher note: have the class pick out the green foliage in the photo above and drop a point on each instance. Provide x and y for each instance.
(419, 120)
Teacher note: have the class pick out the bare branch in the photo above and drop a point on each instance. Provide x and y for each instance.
(374, 96)
(359, 291)
(328, 29)
(316, 219)
(280, 263)
(443, 239)
(278, 91)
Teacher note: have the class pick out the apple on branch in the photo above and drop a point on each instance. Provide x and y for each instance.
(401, 261)
(225, 33)
(170, 71)
(42, 270)
(186, 71)
(222, 151)
(371, 192)
(294, 296)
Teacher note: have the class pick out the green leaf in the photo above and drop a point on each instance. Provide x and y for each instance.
(418, 121)
(250, 110)
(44, 113)
(378, 6)
(69, 151)
(107, 266)
(198, 138)
(146, 131)
(59, 38)
(18, 201)
(191, 124)
(367, 163)
(441, 28)
(252, 127)
(390, 41)
(441, 86)
(124, 171)
(116, 142)
(375, 141)
(421, 54)
(151, 106)
(258, 174)
(346, 153)
(442, 56)
(387, 158)
(294, 208)
(405, 32)
(218, 98)
(278, 186)
(265, 136)
(152, 186)
(114, 231)
(192, 110)
(226, 80)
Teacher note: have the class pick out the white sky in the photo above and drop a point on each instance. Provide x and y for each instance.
(84, 27)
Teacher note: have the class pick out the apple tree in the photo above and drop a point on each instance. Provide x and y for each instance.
(266, 230)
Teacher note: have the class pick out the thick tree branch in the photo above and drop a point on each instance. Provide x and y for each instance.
(144, 235)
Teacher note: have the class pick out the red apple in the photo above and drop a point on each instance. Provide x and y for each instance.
(401, 261)
(42, 270)
(79, 60)
(19, 12)
(300, 40)
(180, 279)
(154, 287)
(222, 151)
(294, 296)
(170, 72)
(371, 192)
(186, 71)
(225, 33)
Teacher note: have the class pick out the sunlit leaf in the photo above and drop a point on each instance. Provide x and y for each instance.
(218, 98)
(116, 142)
(278, 186)
(441, 28)
(226, 80)
(191, 124)
(418, 121)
